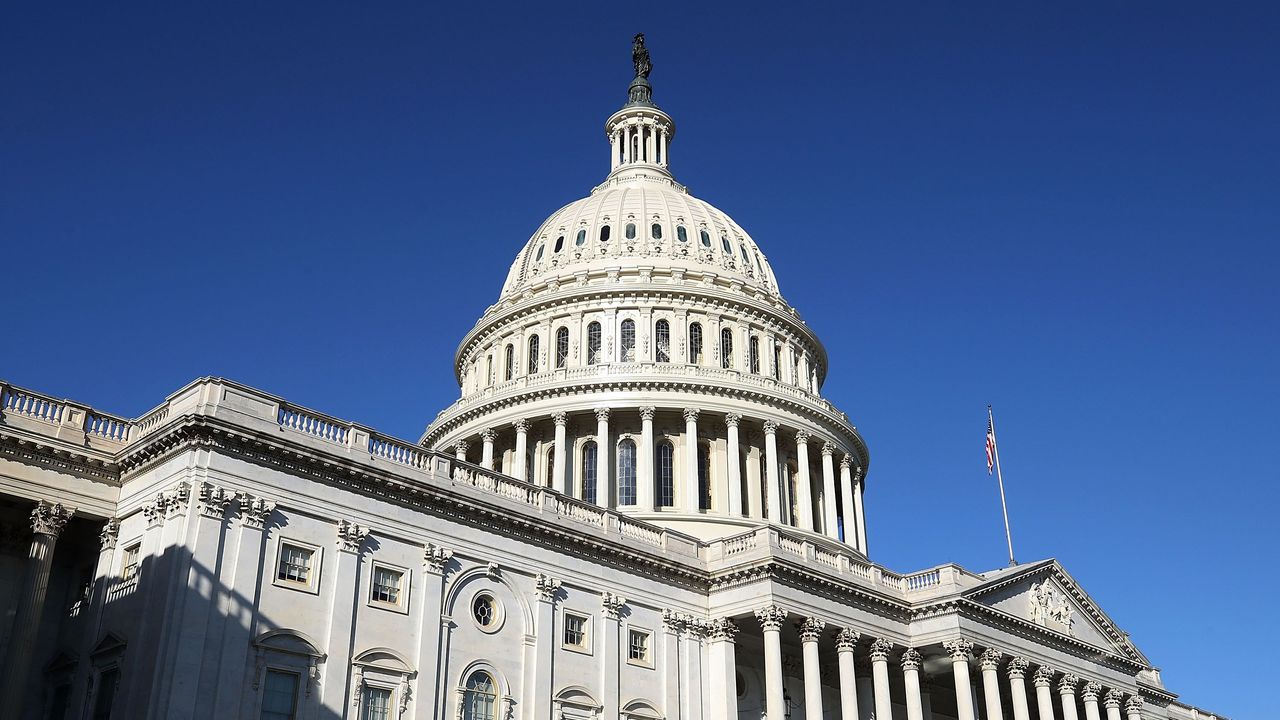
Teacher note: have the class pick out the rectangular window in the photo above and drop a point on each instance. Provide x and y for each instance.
(386, 585)
(280, 696)
(108, 680)
(377, 704)
(295, 564)
(129, 565)
(638, 646)
(575, 631)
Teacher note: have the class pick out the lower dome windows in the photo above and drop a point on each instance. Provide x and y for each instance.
(681, 235)
(604, 234)
(655, 231)
(581, 239)
(631, 231)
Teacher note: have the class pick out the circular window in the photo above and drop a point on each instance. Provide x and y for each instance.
(486, 612)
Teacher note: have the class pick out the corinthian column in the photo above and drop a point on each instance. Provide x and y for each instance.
(771, 619)
(723, 675)
(644, 494)
(804, 490)
(692, 502)
(1018, 688)
(959, 650)
(1090, 695)
(880, 650)
(602, 457)
(1112, 703)
(991, 683)
(772, 498)
(810, 630)
(846, 641)
(846, 502)
(47, 522)
(1067, 689)
(1133, 708)
(486, 454)
(911, 660)
(460, 450)
(733, 464)
(560, 454)
(830, 526)
(857, 506)
(518, 469)
(1044, 698)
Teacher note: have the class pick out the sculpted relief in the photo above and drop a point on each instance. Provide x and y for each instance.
(1049, 607)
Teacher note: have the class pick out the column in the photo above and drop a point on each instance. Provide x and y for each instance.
(880, 650)
(346, 587)
(460, 450)
(723, 681)
(846, 502)
(1090, 697)
(650, 145)
(644, 463)
(1133, 708)
(1017, 670)
(846, 642)
(434, 561)
(518, 469)
(47, 522)
(102, 580)
(671, 623)
(804, 490)
(771, 619)
(544, 644)
(771, 472)
(664, 147)
(1112, 703)
(959, 650)
(866, 690)
(1044, 698)
(613, 146)
(733, 462)
(1067, 690)
(560, 454)
(857, 508)
(603, 485)
(610, 608)
(241, 609)
(626, 144)
(692, 503)
(911, 660)
(991, 683)
(810, 630)
(829, 525)
(486, 455)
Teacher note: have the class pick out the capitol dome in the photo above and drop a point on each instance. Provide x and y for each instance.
(641, 357)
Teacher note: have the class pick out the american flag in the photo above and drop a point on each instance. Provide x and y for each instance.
(991, 445)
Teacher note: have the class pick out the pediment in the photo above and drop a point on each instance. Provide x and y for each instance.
(1043, 594)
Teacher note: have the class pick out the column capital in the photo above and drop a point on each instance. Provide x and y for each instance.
(1043, 676)
(351, 536)
(110, 532)
(611, 605)
(521, 425)
(880, 650)
(991, 658)
(911, 659)
(732, 419)
(460, 447)
(771, 617)
(1133, 705)
(546, 587)
(724, 629)
(1067, 684)
(770, 427)
(802, 437)
(254, 512)
(49, 519)
(214, 501)
(810, 629)
(846, 639)
(435, 558)
(1017, 668)
(488, 434)
(690, 414)
(560, 418)
(846, 462)
(1091, 691)
(602, 414)
(959, 649)
(828, 448)
(674, 622)
(647, 412)
(1112, 699)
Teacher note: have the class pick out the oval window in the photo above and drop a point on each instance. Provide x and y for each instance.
(655, 231)
(631, 231)
(706, 239)
(485, 610)
(582, 237)
(745, 258)
(604, 234)
(539, 255)
(559, 243)
(680, 234)
(724, 243)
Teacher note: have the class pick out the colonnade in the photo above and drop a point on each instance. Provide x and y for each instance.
(854, 685)
(639, 141)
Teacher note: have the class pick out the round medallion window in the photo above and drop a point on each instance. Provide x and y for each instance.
(484, 610)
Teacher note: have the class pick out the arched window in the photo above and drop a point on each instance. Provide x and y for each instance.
(560, 244)
(681, 235)
(538, 257)
(793, 499)
(695, 343)
(753, 355)
(724, 243)
(533, 355)
(562, 347)
(628, 340)
(479, 698)
(589, 471)
(510, 367)
(726, 348)
(551, 467)
(581, 239)
(706, 239)
(777, 362)
(489, 361)
(631, 231)
(604, 234)
(666, 476)
(662, 344)
(593, 343)
(627, 472)
(655, 231)
(795, 367)
(704, 476)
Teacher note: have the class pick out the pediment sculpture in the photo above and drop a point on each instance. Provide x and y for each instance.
(1050, 608)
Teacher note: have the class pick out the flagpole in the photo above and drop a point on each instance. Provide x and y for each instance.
(1004, 507)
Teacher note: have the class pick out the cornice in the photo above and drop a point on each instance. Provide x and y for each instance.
(58, 457)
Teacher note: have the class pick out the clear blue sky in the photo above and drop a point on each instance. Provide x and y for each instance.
(1069, 213)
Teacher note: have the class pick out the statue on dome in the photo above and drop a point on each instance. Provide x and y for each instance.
(640, 57)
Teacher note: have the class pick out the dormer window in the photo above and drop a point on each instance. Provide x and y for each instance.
(724, 243)
(655, 231)
(581, 239)
(631, 231)
(538, 257)
(681, 235)
(604, 233)
(559, 243)
(706, 239)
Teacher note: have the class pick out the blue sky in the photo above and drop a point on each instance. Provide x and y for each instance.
(1070, 213)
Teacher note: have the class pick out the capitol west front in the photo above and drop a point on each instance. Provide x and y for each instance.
(641, 506)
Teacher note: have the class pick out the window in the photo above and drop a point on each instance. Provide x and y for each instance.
(593, 343)
(589, 471)
(604, 233)
(704, 476)
(551, 466)
(706, 239)
(533, 355)
(681, 235)
(655, 231)
(129, 565)
(295, 564)
(795, 367)
(490, 367)
(793, 494)
(377, 703)
(777, 362)
(628, 340)
(386, 585)
(280, 696)
(663, 344)
(627, 472)
(695, 343)
(560, 244)
(746, 259)
(538, 257)
(753, 355)
(510, 367)
(479, 697)
(562, 347)
(638, 646)
(484, 610)
(575, 631)
(724, 243)
(759, 266)
(581, 239)
(108, 682)
(666, 474)
(726, 348)
(631, 231)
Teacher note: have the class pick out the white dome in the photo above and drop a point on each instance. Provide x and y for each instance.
(656, 212)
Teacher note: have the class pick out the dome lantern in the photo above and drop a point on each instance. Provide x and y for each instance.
(640, 133)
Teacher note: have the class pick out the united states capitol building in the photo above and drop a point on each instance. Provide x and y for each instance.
(641, 506)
